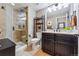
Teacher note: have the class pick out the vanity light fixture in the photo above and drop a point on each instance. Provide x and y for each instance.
(52, 8)
(57, 7)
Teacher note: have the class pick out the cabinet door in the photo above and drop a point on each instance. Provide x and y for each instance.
(75, 45)
(64, 45)
(63, 49)
(48, 43)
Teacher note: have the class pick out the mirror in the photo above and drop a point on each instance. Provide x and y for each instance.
(58, 16)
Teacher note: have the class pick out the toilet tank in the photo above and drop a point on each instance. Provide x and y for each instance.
(39, 35)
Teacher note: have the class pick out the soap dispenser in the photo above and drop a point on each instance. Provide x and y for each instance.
(74, 20)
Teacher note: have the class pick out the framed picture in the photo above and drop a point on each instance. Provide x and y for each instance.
(61, 25)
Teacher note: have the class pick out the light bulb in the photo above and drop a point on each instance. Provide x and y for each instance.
(59, 6)
(49, 9)
(54, 8)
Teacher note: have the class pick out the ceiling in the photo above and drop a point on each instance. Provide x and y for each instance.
(20, 5)
(42, 6)
(37, 6)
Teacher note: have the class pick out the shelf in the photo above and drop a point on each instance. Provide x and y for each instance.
(38, 23)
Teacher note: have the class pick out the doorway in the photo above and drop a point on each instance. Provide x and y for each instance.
(20, 27)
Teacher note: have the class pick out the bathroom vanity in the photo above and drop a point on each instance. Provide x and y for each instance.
(7, 47)
(60, 43)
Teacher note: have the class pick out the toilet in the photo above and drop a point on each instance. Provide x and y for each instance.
(36, 41)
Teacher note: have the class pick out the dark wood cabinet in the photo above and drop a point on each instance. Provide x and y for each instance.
(7, 47)
(65, 44)
(48, 43)
(60, 44)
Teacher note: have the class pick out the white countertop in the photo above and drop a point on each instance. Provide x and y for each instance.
(51, 31)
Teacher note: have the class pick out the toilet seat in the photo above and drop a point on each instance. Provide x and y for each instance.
(34, 40)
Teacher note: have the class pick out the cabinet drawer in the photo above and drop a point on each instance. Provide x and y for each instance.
(65, 38)
(48, 36)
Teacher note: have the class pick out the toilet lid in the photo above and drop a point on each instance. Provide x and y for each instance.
(35, 39)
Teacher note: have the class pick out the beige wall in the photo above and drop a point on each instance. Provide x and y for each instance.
(2, 23)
